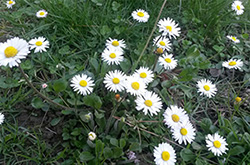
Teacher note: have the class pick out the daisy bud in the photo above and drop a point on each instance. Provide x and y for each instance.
(1, 118)
(238, 99)
(159, 50)
(88, 116)
(117, 97)
(44, 85)
(92, 136)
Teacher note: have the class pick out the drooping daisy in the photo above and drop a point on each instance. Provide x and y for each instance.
(233, 64)
(167, 61)
(184, 132)
(174, 115)
(144, 74)
(238, 7)
(10, 4)
(162, 42)
(40, 44)
(112, 56)
(1, 118)
(234, 39)
(41, 13)
(82, 84)
(164, 154)
(135, 86)
(114, 81)
(12, 51)
(168, 27)
(140, 15)
(92, 136)
(116, 44)
(205, 87)
(216, 144)
(148, 102)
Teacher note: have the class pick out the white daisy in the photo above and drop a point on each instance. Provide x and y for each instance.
(140, 15)
(167, 61)
(205, 87)
(169, 27)
(238, 7)
(162, 42)
(1, 118)
(174, 115)
(114, 81)
(10, 4)
(164, 154)
(92, 136)
(82, 84)
(144, 74)
(116, 44)
(233, 64)
(216, 144)
(148, 102)
(12, 51)
(40, 44)
(234, 39)
(184, 132)
(112, 56)
(42, 13)
(135, 86)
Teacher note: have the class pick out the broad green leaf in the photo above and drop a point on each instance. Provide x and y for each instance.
(94, 63)
(60, 85)
(114, 142)
(37, 103)
(86, 156)
(205, 124)
(125, 65)
(122, 143)
(237, 150)
(117, 152)
(55, 121)
(187, 154)
(93, 101)
(107, 152)
(134, 147)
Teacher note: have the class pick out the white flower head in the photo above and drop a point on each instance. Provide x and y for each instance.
(1, 118)
(233, 64)
(40, 44)
(205, 87)
(135, 86)
(140, 15)
(148, 102)
(9, 4)
(238, 7)
(162, 42)
(144, 74)
(169, 28)
(82, 84)
(234, 39)
(92, 136)
(112, 56)
(164, 154)
(115, 81)
(168, 61)
(115, 44)
(12, 51)
(41, 13)
(216, 144)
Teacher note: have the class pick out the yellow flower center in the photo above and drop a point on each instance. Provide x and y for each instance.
(10, 52)
(83, 83)
(112, 55)
(140, 14)
(148, 103)
(233, 38)
(115, 43)
(206, 87)
(175, 118)
(162, 43)
(39, 43)
(165, 155)
(232, 63)
(42, 13)
(143, 75)
(10, 2)
(237, 99)
(116, 80)
(168, 60)
(91, 135)
(217, 144)
(184, 131)
(135, 85)
(159, 50)
(238, 7)
(169, 28)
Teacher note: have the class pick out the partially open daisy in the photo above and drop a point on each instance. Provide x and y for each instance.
(112, 56)
(234, 39)
(164, 154)
(148, 102)
(140, 15)
(167, 61)
(135, 86)
(41, 13)
(114, 81)
(233, 64)
(82, 84)
(10, 4)
(1, 118)
(184, 132)
(168, 27)
(162, 42)
(40, 44)
(205, 87)
(91, 136)
(216, 144)
(174, 115)
(116, 44)
(144, 74)
(12, 51)
(238, 7)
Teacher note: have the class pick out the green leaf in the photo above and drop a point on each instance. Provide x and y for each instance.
(55, 121)
(107, 153)
(114, 142)
(105, 30)
(37, 103)
(60, 85)
(196, 146)
(93, 101)
(115, 5)
(134, 147)
(125, 65)
(187, 154)
(67, 112)
(237, 150)
(117, 152)
(76, 132)
(218, 48)
(245, 36)
(192, 53)
(99, 148)
(205, 124)
(122, 143)
(64, 50)
(86, 156)
(94, 63)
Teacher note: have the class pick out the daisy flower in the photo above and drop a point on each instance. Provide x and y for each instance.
(140, 15)
(164, 154)
(41, 13)
(144, 74)
(135, 86)
(234, 39)
(233, 64)
(40, 44)
(114, 81)
(112, 56)
(82, 84)
(12, 51)
(167, 61)
(174, 115)
(148, 102)
(216, 144)
(169, 27)
(44, 85)
(205, 87)
(184, 132)
(92, 136)
(1, 118)
(116, 44)
(10, 4)
(238, 7)
(162, 42)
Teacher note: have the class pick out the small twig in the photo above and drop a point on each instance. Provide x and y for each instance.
(50, 130)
